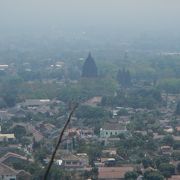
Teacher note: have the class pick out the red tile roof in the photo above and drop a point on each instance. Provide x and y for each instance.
(176, 177)
(6, 170)
(113, 172)
(10, 155)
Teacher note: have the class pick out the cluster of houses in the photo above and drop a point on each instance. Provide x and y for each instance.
(8, 173)
(109, 134)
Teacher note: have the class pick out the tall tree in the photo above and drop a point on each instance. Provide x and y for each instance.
(124, 78)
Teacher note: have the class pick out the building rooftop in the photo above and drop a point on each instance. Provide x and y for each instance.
(6, 170)
(113, 172)
(113, 126)
(10, 155)
(9, 136)
(176, 177)
(35, 102)
(70, 157)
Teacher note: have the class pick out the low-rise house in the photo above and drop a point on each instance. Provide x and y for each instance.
(46, 129)
(141, 110)
(156, 136)
(115, 112)
(71, 132)
(111, 141)
(5, 115)
(93, 101)
(10, 158)
(178, 129)
(49, 127)
(7, 173)
(4, 67)
(124, 120)
(176, 138)
(109, 162)
(7, 137)
(84, 159)
(32, 103)
(38, 136)
(86, 133)
(99, 164)
(168, 129)
(23, 175)
(71, 161)
(164, 122)
(112, 129)
(166, 150)
(80, 132)
(144, 133)
(109, 152)
(17, 111)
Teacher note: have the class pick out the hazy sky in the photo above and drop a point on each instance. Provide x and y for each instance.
(134, 15)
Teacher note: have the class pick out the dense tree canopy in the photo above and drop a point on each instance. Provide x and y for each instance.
(167, 169)
(136, 98)
(86, 89)
(131, 175)
(154, 175)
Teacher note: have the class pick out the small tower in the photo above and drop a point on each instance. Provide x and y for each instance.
(89, 68)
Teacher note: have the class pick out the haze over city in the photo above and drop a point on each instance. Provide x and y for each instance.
(116, 16)
(89, 90)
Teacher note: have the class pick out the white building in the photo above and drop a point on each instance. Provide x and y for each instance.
(7, 137)
(112, 129)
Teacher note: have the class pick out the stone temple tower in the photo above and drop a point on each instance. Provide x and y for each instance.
(89, 69)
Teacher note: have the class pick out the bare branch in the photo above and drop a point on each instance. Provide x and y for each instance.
(59, 142)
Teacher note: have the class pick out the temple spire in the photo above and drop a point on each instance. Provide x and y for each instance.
(89, 55)
(89, 68)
